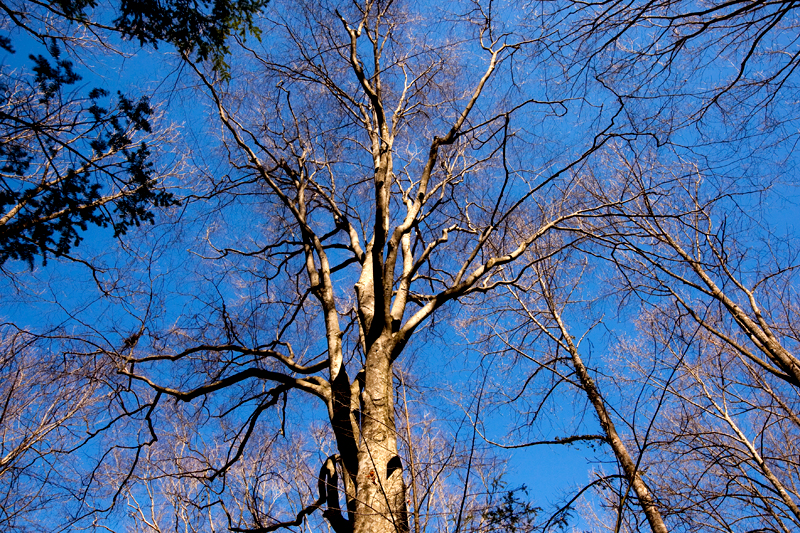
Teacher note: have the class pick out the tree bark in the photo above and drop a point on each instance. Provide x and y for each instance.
(629, 466)
(381, 491)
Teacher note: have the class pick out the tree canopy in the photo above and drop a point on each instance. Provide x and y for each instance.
(389, 245)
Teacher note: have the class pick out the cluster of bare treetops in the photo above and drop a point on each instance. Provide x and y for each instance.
(327, 266)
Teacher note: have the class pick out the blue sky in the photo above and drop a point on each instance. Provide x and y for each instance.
(170, 285)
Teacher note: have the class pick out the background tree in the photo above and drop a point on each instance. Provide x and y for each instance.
(703, 251)
(731, 433)
(72, 157)
(47, 399)
(722, 359)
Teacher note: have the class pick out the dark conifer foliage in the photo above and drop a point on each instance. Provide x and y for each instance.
(70, 161)
(70, 158)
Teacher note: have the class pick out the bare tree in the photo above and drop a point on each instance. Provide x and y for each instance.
(710, 274)
(689, 74)
(451, 479)
(390, 171)
(733, 417)
(546, 325)
(47, 399)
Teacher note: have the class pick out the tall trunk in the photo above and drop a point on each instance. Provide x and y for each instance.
(629, 467)
(380, 489)
(647, 501)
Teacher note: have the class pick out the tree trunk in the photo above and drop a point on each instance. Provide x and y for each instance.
(646, 500)
(381, 491)
(629, 467)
